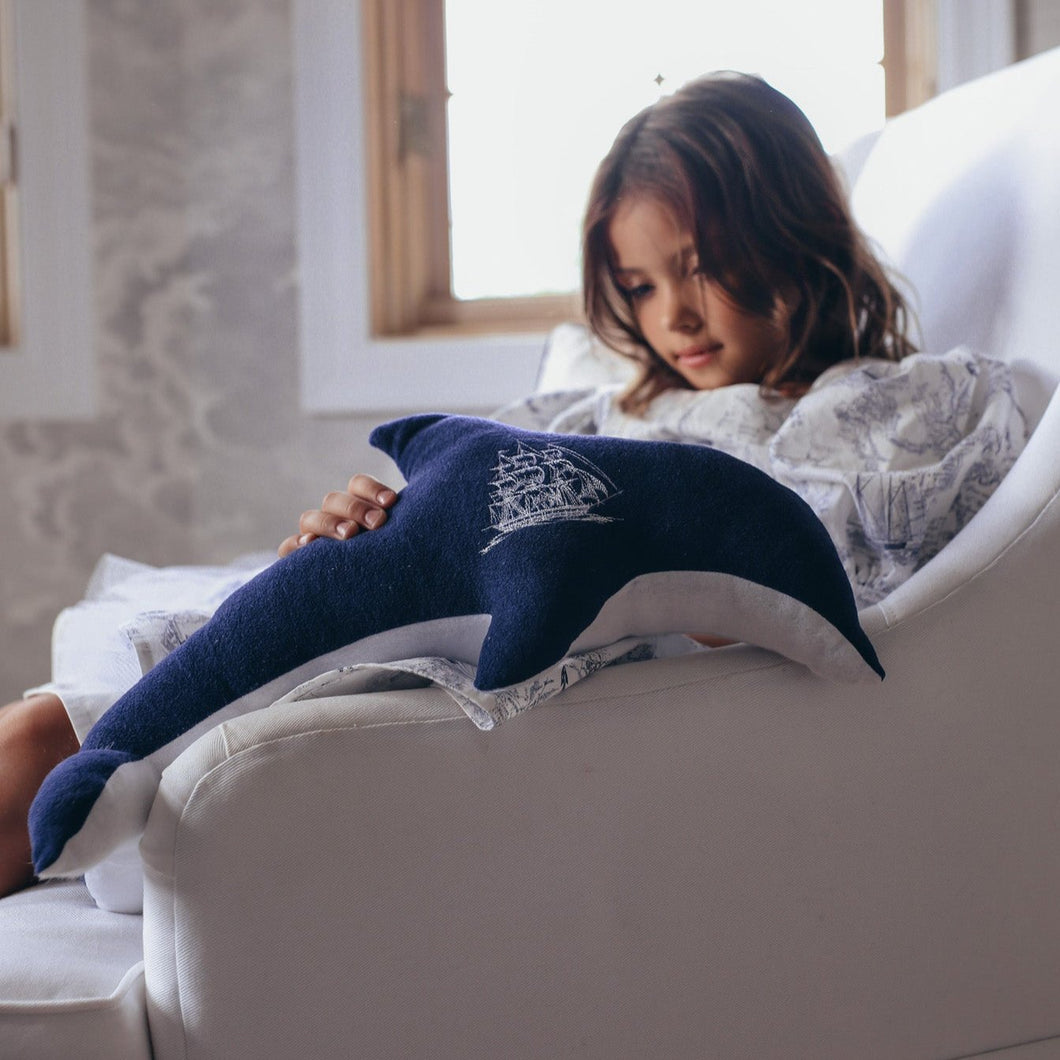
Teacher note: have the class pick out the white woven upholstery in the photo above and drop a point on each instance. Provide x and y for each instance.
(71, 978)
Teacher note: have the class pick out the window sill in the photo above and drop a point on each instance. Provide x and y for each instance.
(437, 373)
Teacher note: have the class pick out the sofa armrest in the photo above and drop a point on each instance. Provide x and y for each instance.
(706, 855)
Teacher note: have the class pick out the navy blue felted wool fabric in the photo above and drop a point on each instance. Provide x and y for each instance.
(537, 531)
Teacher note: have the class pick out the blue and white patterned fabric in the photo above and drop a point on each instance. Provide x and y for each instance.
(507, 552)
(893, 457)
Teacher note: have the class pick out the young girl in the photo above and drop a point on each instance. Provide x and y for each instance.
(718, 248)
(720, 256)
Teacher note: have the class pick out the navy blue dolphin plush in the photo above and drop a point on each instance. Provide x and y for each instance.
(556, 542)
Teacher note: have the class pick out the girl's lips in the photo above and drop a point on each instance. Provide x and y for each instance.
(698, 356)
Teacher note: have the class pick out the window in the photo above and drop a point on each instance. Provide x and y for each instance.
(486, 122)
(407, 130)
(347, 363)
(47, 365)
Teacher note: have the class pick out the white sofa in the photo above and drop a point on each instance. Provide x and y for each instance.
(713, 856)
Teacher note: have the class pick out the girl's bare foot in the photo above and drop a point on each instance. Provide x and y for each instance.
(35, 736)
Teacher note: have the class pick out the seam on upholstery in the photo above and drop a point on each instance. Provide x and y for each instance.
(343, 726)
(1000, 1049)
(771, 664)
(384, 724)
(73, 1006)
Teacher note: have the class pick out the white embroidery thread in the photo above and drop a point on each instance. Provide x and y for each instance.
(532, 487)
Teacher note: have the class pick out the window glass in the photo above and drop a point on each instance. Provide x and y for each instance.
(539, 89)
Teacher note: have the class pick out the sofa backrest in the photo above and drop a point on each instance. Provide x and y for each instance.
(962, 196)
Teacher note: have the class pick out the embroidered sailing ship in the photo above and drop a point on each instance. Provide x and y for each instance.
(532, 487)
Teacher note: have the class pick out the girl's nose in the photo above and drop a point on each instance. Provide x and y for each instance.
(684, 308)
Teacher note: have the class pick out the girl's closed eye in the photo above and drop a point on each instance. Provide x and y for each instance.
(638, 292)
(632, 286)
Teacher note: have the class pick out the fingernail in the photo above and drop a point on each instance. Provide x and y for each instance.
(373, 518)
(344, 529)
(386, 497)
(305, 539)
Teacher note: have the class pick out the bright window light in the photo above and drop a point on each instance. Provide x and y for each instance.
(539, 90)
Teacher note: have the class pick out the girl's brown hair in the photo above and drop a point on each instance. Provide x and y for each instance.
(742, 169)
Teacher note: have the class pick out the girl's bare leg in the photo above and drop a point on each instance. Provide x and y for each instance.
(35, 735)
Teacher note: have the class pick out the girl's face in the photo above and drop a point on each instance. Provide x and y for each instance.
(688, 320)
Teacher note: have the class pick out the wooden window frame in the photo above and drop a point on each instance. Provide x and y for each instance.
(910, 53)
(408, 185)
(347, 366)
(406, 93)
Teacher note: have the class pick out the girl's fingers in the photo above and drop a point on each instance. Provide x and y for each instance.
(289, 544)
(363, 505)
(371, 490)
(343, 514)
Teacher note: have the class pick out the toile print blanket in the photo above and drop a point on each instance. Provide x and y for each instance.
(893, 457)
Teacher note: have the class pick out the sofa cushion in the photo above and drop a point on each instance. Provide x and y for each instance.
(71, 977)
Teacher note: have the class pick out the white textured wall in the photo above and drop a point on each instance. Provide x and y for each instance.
(200, 451)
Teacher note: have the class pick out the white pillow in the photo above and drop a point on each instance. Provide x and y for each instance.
(574, 358)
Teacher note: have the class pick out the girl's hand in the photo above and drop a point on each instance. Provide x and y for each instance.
(362, 506)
